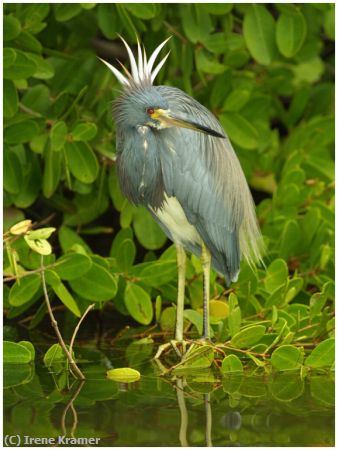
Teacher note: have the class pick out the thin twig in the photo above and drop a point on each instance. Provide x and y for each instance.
(29, 111)
(175, 32)
(31, 272)
(78, 326)
(56, 328)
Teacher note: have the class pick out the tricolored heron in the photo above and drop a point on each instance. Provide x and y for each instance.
(175, 159)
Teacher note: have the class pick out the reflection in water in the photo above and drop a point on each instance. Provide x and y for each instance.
(180, 384)
(232, 420)
(193, 410)
(183, 412)
(70, 405)
(208, 424)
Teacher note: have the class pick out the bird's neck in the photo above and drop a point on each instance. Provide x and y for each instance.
(139, 166)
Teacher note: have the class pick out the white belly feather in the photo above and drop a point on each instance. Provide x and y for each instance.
(174, 218)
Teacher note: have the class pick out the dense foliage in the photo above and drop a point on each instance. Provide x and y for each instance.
(267, 72)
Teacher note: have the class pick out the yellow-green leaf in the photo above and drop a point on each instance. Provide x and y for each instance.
(124, 375)
(21, 227)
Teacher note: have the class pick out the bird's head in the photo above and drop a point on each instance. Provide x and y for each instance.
(141, 104)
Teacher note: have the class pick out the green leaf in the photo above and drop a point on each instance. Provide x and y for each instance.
(44, 70)
(30, 347)
(82, 161)
(12, 172)
(231, 363)
(168, 319)
(72, 265)
(9, 56)
(66, 11)
(17, 374)
(286, 387)
(22, 67)
(240, 131)
(21, 132)
(10, 101)
(125, 254)
(124, 375)
(88, 5)
(84, 131)
(125, 233)
(156, 273)
(26, 41)
(55, 358)
(14, 353)
(196, 22)
(308, 71)
(248, 336)
(323, 390)
(276, 275)
(68, 238)
(37, 98)
(12, 28)
(138, 303)
(31, 183)
(290, 33)
(206, 63)
(148, 233)
(218, 9)
(52, 171)
(22, 292)
(235, 315)
(200, 381)
(259, 33)
(33, 15)
(237, 98)
(322, 355)
(199, 357)
(215, 43)
(287, 357)
(329, 22)
(289, 239)
(317, 302)
(196, 318)
(52, 278)
(142, 11)
(98, 284)
(58, 135)
(108, 20)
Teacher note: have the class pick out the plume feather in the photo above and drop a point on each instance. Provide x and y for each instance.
(122, 79)
(142, 71)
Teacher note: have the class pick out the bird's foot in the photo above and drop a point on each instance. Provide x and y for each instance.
(164, 348)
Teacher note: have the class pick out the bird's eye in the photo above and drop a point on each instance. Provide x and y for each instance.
(150, 111)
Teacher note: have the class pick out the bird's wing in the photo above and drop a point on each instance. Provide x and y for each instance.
(205, 176)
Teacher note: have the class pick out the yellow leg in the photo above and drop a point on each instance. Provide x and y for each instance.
(181, 265)
(206, 263)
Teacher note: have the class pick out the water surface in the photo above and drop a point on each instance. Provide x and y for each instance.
(197, 408)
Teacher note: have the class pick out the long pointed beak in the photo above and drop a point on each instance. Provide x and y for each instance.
(172, 120)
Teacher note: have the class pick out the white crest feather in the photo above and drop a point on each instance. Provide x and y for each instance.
(142, 70)
(122, 79)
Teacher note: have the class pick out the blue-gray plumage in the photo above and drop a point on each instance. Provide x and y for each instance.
(174, 158)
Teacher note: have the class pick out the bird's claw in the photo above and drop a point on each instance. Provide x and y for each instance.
(173, 344)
